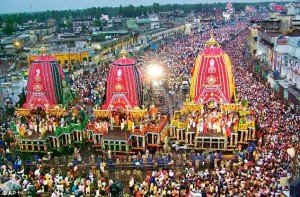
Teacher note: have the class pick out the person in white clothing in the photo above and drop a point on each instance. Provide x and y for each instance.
(131, 185)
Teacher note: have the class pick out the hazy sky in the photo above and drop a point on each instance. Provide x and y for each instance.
(13, 6)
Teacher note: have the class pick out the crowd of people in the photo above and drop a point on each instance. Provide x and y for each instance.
(263, 169)
(7, 64)
(40, 123)
(269, 168)
(261, 173)
(89, 86)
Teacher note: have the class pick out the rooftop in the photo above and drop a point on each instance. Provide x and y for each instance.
(294, 33)
(113, 32)
(155, 31)
(143, 21)
(295, 91)
(269, 33)
(23, 36)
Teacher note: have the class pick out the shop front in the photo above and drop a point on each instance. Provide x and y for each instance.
(283, 88)
(271, 80)
(294, 95)
(264, 70)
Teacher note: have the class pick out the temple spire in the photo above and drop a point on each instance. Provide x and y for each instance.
(123, 53)
(43, 50)
(212, 42)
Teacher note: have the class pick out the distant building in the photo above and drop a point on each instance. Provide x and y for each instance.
(250, 9)
(253, 41)
(65, 56)
(278, 52)
(81, 24)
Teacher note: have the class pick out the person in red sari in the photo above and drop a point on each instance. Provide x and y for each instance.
(205, 127)
(228, 130)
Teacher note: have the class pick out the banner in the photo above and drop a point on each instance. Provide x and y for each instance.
(281, 40)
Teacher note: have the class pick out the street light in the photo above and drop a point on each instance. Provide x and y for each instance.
(17, 44)
(155, 71)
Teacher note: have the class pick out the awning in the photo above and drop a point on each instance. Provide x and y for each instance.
(295, 92)
(285, 84)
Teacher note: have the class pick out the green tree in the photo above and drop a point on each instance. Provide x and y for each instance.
(127, 11)
(130, 11)
(98, 38)
(62, 24)
(9, 29)
(155, 7)
(121, 11)
(101, 37)
(97, 23)
(69, 24)
(84, 28)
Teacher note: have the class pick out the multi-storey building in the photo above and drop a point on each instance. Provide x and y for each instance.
(278, 54)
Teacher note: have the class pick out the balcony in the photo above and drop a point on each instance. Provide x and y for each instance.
(270, 37)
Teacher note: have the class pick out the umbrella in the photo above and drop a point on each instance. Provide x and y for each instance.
(11, 185)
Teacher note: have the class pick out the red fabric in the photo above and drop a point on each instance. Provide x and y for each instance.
(205, 127)
(278, 7)
(212, 77)
(38, 100)
(125, 61)
(228, 131)
(44, 58)
(121, 89)
(40, 86)
(138, 194)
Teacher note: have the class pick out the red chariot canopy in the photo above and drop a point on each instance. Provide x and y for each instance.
(124, 61)
(123, 85)
(212, 77)
(44, 84)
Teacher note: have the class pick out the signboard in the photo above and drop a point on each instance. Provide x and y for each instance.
(281, 40)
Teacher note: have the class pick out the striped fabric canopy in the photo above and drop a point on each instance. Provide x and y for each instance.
(44, 85)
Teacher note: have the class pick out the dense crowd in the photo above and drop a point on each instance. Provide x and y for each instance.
(38, 125)
(278, 129)
(7, 64)
(258, 170)
(267, 164)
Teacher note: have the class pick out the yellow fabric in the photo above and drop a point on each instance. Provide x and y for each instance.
(197, 70)
(230, 74)
(194, 77)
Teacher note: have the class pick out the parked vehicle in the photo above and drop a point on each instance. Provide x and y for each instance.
(185, 85)
(179, 145)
